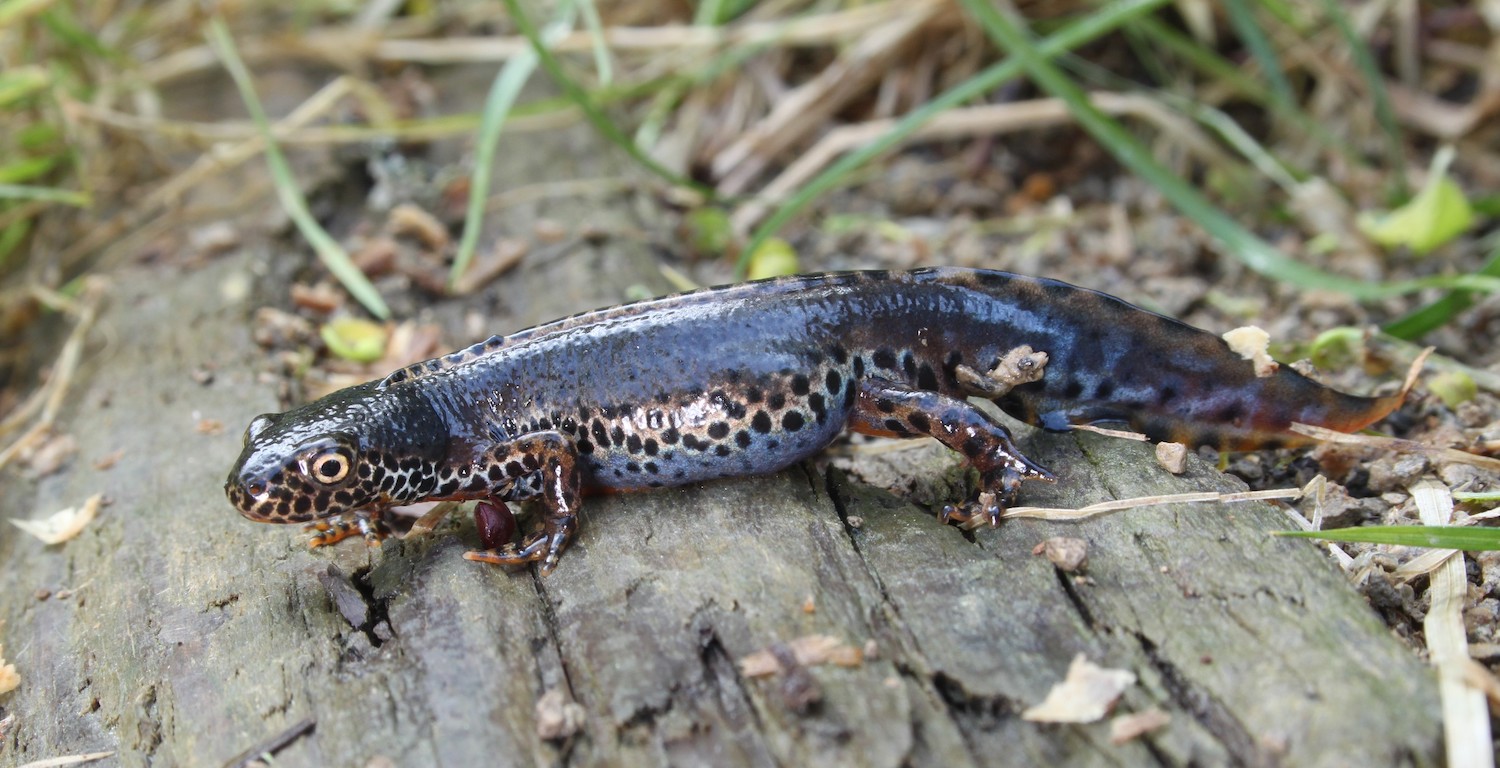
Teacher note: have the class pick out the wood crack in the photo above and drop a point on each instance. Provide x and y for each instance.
(1241, 747)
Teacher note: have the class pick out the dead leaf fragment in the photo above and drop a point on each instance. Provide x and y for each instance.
(411, 221)
(1250, 343)
(1172, 457)
(9, 677)
(62, 525)
(321, 298)
(807, 650)
(557, 716)
(1128, 727)
(51, 455)
(109, 460)
(1086, 695)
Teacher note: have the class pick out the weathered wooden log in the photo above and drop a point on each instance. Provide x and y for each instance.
(192, 634)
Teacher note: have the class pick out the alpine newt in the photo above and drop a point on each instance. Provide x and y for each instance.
(752, 378)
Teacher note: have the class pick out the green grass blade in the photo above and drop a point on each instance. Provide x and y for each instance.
(497, 107)
(1468, 538)
(1108, 18)
(1242, 17)
(1239, 242)
(44, 194)
(27, 168)
(11, 237)
(1476, 496)
(596, 41)
(328, 250)
(576, 92)
(1216, 67)
(708, 13)
(1375, 84)
(1433, 316)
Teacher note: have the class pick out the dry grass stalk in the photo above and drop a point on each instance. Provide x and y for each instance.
(806, 109)
(49, 398)
(1382, 442)
(1466, 717)
(1117, 505)
(969, 122)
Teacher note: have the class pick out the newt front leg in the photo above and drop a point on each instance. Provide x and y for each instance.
(331, 530)
(555, 458)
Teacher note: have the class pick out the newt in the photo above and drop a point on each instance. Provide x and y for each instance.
(749, 379)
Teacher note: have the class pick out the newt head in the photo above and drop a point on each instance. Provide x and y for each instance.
(349, 451)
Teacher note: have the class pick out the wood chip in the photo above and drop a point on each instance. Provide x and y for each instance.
(1251, 343)
(410, 221)
(109, 460)
(322, 298)
(557, 715)
(1172, 457)
(62, 525)
(1132, 726)
(1086, 695)
(1067, 553)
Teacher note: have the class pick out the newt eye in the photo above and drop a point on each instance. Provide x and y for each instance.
(327, 468)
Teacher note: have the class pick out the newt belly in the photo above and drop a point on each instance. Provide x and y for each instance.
(749, 379)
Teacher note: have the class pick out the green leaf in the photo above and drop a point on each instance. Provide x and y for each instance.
(774, 258)
(1453, 387)
(354, 338)
(708, 231)
(1438, 213)
(1464, 537)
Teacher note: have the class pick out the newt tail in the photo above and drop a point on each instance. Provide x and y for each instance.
(749, 379)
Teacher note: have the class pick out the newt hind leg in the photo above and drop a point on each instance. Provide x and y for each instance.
(889, 409)
(552, 456)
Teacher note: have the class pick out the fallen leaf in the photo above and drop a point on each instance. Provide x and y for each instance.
(1085, 696)
(353, 338)
(51, 455)
(62, 525)
(1127, 727)
(1438, 213)
(417, 223)
(807, 650)
(773, 258)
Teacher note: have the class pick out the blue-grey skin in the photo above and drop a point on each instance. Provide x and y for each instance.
(750, 379)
